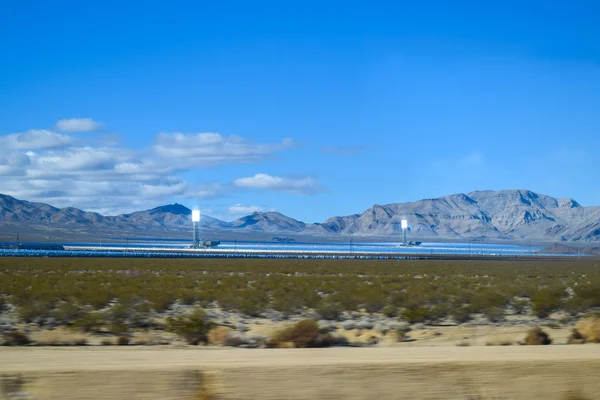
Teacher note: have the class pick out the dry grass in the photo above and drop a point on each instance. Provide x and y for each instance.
(589, 328)
(148, 339)
(499, 341)
(536, 336)
(59, 337)
(218, 336)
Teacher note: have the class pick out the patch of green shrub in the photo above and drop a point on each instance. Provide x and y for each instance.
(192, 327)
(329, 310)
(419, 315)
(545, 301)
(89, 322)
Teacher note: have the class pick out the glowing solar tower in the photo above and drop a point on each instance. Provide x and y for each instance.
(404, 225)
(196, 227)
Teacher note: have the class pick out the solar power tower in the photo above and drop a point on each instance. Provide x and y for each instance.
(404, 225)
(196, 228)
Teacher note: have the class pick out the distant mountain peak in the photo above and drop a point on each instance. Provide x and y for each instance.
(176, 209)
(485, 215)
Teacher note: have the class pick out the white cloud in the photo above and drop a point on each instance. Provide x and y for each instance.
(212, 149)
(76, 125)
(240, 209)
(56, 168)
(34, 139)
(301, 186)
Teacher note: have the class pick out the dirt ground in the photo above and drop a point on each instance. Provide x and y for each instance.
(418, 372)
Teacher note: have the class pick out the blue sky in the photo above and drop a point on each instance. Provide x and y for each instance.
(310, 108)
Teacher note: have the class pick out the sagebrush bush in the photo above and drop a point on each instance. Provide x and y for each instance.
(302, 334)
(194, 327)
(89, 322)
(218, 335)
(589, 328)
(329, 310)
(545, 301)
(419, 314)
(460, 314)
(536, 336)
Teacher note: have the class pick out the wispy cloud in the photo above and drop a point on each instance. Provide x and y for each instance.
(213, 149)
(240, 209)
(34, 139)
(77, 125)
(301, 186)
(67, 170)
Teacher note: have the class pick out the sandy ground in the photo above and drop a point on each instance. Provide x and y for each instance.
(436, 372)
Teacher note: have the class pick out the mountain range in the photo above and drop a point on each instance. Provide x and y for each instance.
(514, 215)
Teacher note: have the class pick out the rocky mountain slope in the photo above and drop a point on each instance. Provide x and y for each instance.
(480, 215)
(507, 214)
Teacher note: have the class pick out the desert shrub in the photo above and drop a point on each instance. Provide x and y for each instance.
(218, 335)
(194, 327)
(235, 339)
(302, 334)
(134, 314)
(589, 294)
(107, 342)
(34, 312)
(576, 337)
(494, 314)
(16, 339)
(589, 328)
(67, 312)
(536, 336)
(390, 311)
(460, 314)
(519, 306)
(545, 301)
(372, 299)
(419, 314)
(89, 322)
(123, 340)
(246, 301)
(485, 299)
(329, 310)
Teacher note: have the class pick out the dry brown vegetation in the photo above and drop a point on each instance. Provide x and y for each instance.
(302, 334)
(59, 337)
(589, 328)
(536, 336)
(219, 335)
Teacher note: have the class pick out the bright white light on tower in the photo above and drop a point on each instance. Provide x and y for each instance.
(195, 215)
(404, 224)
